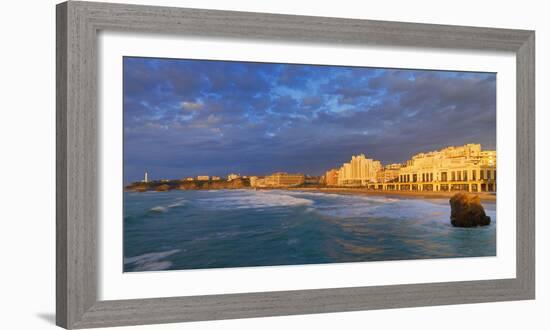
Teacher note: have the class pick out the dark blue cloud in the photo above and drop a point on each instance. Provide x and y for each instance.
(190, 117)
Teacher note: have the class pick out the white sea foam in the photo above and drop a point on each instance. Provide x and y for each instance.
(178, 203)
(335, 205)
(400, 209)
(159, 209)
(151, 261)
(345, 206)
(293, 241)
(254, 199)
(153, 266)
(359, 198)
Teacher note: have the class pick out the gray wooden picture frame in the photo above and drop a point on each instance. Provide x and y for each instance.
(78, 24)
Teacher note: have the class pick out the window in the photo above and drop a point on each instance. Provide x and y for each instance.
(414, 177)
(482, 174)
(453, 176)
(473, 175)
(458, 176)
(495, 175)
(465, 175)
(431, 177)
(443, 176)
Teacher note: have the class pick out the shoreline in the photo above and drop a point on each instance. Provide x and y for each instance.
(348, 191)
(407, 194)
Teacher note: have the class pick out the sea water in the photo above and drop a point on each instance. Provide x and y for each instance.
(238, 228)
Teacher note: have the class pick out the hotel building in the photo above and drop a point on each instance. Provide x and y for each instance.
(331, 177)
(389, 173)
(360, 171)
(278, 179)
(462, 168)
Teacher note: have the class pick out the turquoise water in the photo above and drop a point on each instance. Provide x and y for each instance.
(238, 228)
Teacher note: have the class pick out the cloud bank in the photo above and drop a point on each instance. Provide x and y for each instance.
(191, 117)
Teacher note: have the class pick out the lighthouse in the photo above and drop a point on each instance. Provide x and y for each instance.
(145, 179)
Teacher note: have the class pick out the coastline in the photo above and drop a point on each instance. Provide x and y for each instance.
(405, 194)
(237, 184)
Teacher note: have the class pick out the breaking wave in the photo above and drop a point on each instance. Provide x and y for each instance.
(178, 203)
(254, 200)
(158, 209)
(151, 261)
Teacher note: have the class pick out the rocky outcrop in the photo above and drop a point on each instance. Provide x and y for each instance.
(188, 185)
(137, 187)
(467, 211)
(162, 187)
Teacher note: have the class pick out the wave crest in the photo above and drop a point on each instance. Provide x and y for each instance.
(158, 209)
(151, 261)
(255, 200)
(178, 203)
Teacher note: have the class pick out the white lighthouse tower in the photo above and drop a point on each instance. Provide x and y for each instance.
(145, 179)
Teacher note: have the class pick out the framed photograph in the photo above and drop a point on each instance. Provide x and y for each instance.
(217, 164)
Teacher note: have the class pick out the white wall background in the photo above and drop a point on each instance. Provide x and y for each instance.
(27, 167)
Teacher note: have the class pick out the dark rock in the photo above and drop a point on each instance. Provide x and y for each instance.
(137, 187)
(141, 189)
(188, 185)
(215, 185)
(163, 187)
(467, 211)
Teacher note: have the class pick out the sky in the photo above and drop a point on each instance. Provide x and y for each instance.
(196, 117)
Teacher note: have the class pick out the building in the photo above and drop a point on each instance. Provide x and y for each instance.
(189, 179)
(253, 181)
(360, 171)
(283, 179)
(312, 180)
(461, 168)
(278, 179)
(233, 176)
(203, 178)
(331, 177)
(216, 178)
(388, 173)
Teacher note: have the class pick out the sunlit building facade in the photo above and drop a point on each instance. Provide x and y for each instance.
(233, 176)
(388, 173)
(461, 168)
(331, 177)
(360, 171)
(278, 179)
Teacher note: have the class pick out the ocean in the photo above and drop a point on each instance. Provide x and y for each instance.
(242, 228)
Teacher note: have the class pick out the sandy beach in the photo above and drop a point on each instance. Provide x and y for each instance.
(406, 194)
